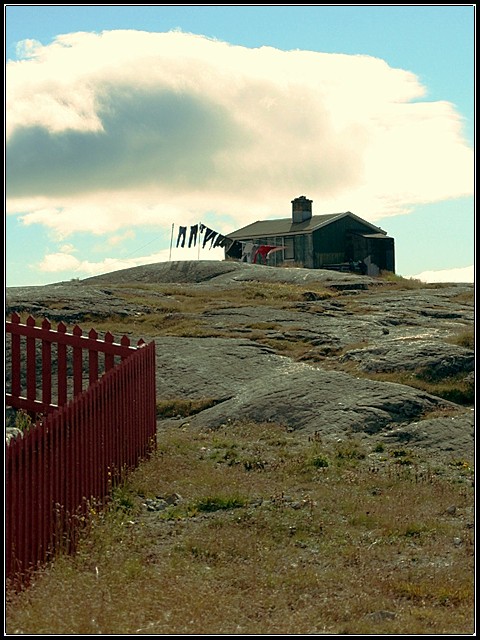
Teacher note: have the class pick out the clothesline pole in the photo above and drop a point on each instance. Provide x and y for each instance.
(171, 241)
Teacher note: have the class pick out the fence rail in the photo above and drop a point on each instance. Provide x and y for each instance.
(78, 451)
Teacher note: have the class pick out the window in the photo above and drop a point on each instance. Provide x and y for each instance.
(289, 251)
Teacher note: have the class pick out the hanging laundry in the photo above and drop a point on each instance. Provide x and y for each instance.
(220, 241)
(209, 235)
(201, 234)
(235, 249)
(229, 245)
(280, 248)
(248, 250)
(193, 235)
(182, 233)
(263, 251)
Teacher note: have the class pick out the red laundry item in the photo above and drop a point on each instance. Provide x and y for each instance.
(263, 251)
(276, 249)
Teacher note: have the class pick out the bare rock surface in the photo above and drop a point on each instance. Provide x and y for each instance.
(330, 403)
(221, 272)
(441, 359)
(365, 326)
(211, 367)
(450, 434)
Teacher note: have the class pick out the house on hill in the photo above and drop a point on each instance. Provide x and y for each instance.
(340, 241)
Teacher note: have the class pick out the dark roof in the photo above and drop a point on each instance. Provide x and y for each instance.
(285, 226)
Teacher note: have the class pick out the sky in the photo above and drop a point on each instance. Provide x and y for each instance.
(126, 122)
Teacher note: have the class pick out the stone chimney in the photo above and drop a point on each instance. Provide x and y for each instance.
(301, 209)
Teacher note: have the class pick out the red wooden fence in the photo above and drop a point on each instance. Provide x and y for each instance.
(41, 400)
(77, 451)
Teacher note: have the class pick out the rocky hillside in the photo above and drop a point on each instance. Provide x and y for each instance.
(324, 353)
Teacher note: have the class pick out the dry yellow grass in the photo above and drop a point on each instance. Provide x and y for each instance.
(273, 533)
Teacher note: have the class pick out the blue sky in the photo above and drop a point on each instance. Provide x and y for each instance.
(115, 139)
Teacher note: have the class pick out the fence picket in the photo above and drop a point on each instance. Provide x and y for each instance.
(46, 366)
(77, 364)
(92, 359)
(31, 363)
(62, 367)
(109, 357)
(16, 358)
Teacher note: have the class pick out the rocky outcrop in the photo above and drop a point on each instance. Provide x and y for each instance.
(335, 342)
(440, 359)
(329, 403)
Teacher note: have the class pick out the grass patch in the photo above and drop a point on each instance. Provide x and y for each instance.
(294, 547)
(399, 282)
(353, 346)
(217, 503)
(264, 326)
(174, 407)
(466, 297)
(464, 338)
(458, 388)
(277, 293)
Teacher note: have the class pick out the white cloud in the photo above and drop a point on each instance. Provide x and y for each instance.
(63, 261)
(110, 131)
(461, 274)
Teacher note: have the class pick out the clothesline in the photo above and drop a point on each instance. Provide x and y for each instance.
(250, 251)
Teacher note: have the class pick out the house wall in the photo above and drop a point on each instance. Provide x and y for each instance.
(336, 242)
(382, 251)
(303, 250)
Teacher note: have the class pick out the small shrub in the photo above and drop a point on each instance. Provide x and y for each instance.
(122, 500)
(23, 421)
(320, 462)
